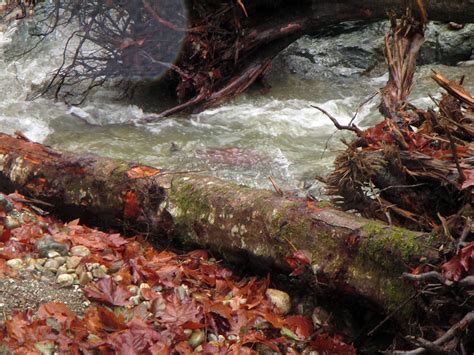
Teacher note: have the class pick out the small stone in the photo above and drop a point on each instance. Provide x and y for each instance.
(85, 278)
(116, 266)
(80, 250)
(135, 299)
(188, 332)
(117, 278)
(53, 254)
(73, 262)
(196, 338)
(198, 349)
(62, 270)
(61, 260)
(51, 265)
(233, 337)
(133, 289)
(92, 266)
(320, 317)
(47, 244)
(65, 280)
(279, 299)
(6, 204)
(212, 337)
(15, 264)
(11, 222)
(98, 273)
(40, 261)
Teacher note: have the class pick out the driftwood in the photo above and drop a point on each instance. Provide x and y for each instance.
(415, 168)
(350, 254)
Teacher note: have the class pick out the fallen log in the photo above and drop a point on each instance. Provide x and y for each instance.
(353, 255)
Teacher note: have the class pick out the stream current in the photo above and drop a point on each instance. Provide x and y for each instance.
(246, 140)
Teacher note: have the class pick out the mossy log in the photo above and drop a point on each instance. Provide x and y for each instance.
(351, 254)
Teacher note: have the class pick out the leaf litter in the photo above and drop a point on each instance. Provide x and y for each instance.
(137, 299)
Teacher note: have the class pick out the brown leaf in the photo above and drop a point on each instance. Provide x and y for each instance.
(107, 292)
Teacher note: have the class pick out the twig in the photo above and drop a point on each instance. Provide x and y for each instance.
(275, 186)
(428, 276)
(404, 303)
(366, 101)
(451, 333)
(464, 234)
(462, 178)
(352, 127)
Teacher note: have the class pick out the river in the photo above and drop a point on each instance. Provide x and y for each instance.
(255, 136)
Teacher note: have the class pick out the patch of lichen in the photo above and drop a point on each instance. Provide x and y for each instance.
(192, 203)
(383, 245)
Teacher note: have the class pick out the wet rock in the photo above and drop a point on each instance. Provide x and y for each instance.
(73, 262)
(65, 280)
(279, 299)
(443, 45)
(81, 251)
(358, 50)
(47, 244)
(197, 338)
(15, 264)
(11, 222)
(133, 289)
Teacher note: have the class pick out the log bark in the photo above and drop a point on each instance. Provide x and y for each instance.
(353, 255)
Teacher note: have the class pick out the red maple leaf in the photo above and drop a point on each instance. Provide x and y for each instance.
(107, 292)
(301, 326)
(58, 311)
(179, 313)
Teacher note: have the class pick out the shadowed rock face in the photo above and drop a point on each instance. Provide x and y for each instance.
(354, 50)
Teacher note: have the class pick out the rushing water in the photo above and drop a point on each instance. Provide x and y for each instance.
(246, 140)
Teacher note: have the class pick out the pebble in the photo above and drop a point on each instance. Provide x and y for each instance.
(85, 278)
(47, 244)
(53, 254)
(212, 337)
(197, 337)
(279, 299)
(11, 222)
(15, 264)
(51, 265)
(117, 278)
(6, 204)
(133, 289)
(62, 270)
(135, 299)
(61, 260)
(40, 261)
(320, 317)
(98, 273)
(73, 262)
(65, 280)
(80, 250)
